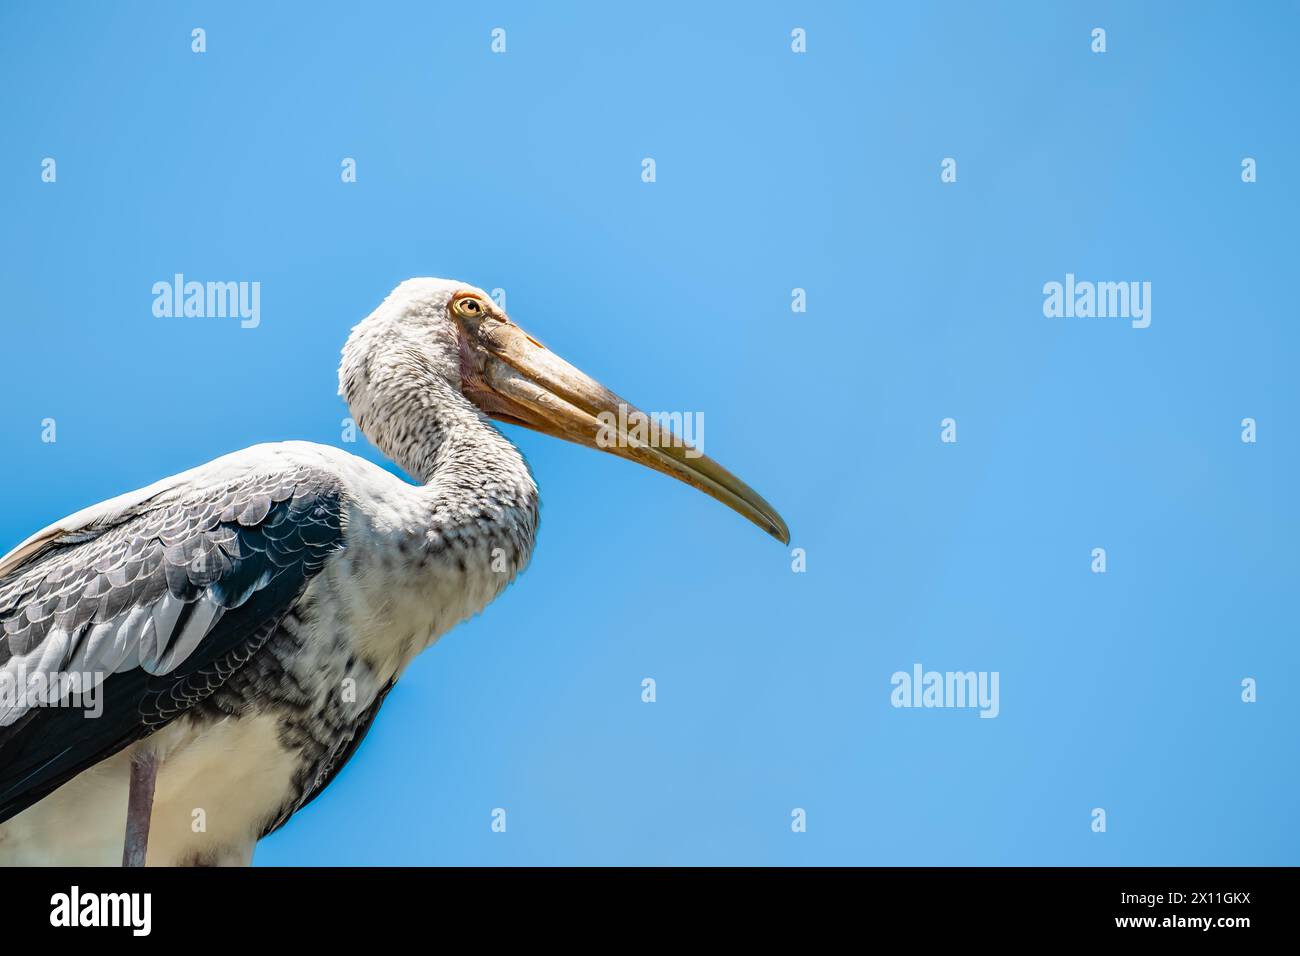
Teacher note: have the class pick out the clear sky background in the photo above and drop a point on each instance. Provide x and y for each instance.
(775, 170)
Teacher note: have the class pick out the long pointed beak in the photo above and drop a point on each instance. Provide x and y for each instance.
(538, 389)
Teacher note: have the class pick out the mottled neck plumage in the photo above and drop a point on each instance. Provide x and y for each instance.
(433, 432)
(400, 376)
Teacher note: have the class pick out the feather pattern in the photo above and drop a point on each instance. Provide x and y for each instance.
(244, 620)
(141, 603)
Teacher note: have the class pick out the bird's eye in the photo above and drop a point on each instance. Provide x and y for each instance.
(469, 306)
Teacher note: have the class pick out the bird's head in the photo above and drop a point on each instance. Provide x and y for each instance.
(460, 334)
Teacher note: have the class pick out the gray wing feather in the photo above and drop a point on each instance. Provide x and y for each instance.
(158, 600)
(145, 592)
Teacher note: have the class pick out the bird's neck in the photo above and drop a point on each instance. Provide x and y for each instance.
(440, 438)
(465, 532)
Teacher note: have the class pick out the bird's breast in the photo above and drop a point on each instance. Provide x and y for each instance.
(390, 596)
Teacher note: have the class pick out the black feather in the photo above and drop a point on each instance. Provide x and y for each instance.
(215, 544)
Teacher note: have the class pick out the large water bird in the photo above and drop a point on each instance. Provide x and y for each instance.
(237, 626)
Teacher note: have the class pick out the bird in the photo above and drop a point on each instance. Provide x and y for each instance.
(185, 666)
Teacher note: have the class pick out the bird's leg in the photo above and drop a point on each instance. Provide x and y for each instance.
(139, 807)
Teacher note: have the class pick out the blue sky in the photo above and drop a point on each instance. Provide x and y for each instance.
(774, 170)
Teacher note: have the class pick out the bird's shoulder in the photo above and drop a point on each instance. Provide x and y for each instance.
(156, 598)
(266, 469)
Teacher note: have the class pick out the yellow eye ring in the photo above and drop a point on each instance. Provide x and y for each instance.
(469, 306)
